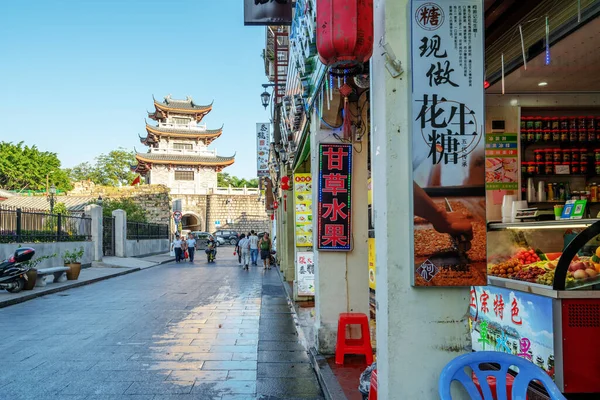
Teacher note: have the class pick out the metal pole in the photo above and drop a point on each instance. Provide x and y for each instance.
(19, 225)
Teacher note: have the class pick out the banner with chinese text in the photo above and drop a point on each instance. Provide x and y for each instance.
(303, 209)
(305, 273)
(335, 177)
(501, 161)
(448, 157)
(262, 148)
(267, 12)
(513, 322)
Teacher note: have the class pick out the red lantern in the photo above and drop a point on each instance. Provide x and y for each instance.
(272, 217)
(285, 180)
(344, 32)
(275, 205)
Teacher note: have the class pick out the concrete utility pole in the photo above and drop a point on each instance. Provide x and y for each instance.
(418, 330)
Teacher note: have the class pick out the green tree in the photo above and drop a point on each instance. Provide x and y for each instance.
(225, 180)
(27, 168)
(134, 211)
(112, 169)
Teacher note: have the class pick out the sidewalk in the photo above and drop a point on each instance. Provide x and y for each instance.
(110, 267)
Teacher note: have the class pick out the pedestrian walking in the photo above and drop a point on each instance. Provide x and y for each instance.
(253, 247)
(265, 251)
(245, 249)
(238, 250)
(191, 246)
(177, 247)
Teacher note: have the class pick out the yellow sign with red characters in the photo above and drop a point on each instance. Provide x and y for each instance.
(303, 209)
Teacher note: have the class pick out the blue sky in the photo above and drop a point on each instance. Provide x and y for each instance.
(77, 76)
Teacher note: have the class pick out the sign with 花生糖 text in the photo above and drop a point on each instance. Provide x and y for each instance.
(513, 322)
(262, 148)
(335, 177)
(448, 142)
(305, 273)
(303, 209)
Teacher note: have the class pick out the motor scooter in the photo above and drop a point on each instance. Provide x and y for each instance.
(13, 272)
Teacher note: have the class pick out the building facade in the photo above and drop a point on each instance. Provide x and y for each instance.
(178, 155)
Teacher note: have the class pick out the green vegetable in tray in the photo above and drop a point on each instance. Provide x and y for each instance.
(541, 255)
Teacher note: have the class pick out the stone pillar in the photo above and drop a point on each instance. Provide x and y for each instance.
(120, 233)
(418, 330)
(341, 278)
(95, 213)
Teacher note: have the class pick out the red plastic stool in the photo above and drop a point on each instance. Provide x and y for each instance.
(353, 346)
(492, 383)
(373, 387)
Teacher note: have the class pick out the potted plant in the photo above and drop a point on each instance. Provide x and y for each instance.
(72, 259)
(32, 273)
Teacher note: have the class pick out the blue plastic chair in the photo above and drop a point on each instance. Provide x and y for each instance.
(455, 371)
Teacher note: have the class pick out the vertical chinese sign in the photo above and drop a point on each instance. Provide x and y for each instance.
(305, 273)
(448, 143)
(303, 209)
(262, 148)
(513, 322)
(501, 161)
(335, 177)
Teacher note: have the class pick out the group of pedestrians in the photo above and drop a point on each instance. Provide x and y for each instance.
(248, 247)
(184, 247)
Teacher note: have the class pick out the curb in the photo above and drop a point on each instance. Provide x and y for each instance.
(31, 296)
(329, 383)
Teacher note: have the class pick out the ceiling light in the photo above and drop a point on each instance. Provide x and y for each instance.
(543, 84)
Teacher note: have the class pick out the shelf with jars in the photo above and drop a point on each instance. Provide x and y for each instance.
(568, 131)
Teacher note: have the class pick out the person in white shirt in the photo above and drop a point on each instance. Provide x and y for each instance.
(253, 247)
(177, 247)
(244, 246)
(191, 245)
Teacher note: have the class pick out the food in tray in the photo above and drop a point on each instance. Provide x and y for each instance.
(529, 274)
(505, 269)
(527, 256)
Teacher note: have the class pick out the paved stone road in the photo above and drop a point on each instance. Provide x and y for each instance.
(174, 332)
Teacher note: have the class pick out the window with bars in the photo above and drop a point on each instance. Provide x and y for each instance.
(182, 146)
(184, 175)
(180, 121)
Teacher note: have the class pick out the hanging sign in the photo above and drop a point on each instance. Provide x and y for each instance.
(267, 12)
(513, 322)
(303, 209)
(262, 148)
(305, 273)
(448, 144)
(335, 177)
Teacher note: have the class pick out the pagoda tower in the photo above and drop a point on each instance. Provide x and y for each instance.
(178, 155)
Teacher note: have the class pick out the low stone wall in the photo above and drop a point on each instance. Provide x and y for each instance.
(141, 248)
(46, 249)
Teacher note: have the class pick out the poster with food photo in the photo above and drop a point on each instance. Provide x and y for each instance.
(501, 162)
(303, 209)
(448, 143)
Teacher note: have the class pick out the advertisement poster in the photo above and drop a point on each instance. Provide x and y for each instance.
(262, 148)
(372, 280)
(513, 322)
(267, 12)
(448, 143)
(305, 273)
(501, 162)
(303, 209)
(335, 177)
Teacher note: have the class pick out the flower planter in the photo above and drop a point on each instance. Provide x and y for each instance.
(31, 278)
(73, 272)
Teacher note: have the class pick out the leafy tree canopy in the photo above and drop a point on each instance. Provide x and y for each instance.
(26, 168)
(134, 211)
(225, 180)
(112, 169)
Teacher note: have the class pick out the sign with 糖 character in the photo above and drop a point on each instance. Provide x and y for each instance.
(335, 177)
(448, 140)
(262, 148)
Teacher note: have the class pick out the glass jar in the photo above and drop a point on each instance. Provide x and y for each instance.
(524, 133)
(537, 122)
(583, 155)
(583, 167)
(566, 156)
(547, 135)
(529, 122)
(597, 165)
(594, 192)
(564, 136)
(582, 123)
(546, 123)
(564, 124)
(549, 168)
(573, 136)
(591, 134)
(575, 168)
(539, 135)
(582, 136)
(538, 155)
(531, 135)
(575, 155)
(597, 155)
(552, 155)
(572, 124)
(591, 123)
(523, 123)
(556, 135)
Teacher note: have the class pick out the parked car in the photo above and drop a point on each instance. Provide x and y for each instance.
(202, 239)
(228, 236)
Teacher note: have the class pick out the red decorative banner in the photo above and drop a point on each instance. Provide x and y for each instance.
(335, 177)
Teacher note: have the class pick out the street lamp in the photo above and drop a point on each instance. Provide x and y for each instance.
(51, 197)
(266, 96)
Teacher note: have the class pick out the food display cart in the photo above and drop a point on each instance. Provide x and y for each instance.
(542, 301)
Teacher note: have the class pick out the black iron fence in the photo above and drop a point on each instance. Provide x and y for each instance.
(145, 230)
(34, 226)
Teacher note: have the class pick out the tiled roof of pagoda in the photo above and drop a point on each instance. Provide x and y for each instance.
(181, 159)
(174, 132)
(174, 106)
